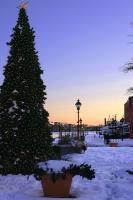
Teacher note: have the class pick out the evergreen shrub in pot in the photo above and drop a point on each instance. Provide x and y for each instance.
(56, 176)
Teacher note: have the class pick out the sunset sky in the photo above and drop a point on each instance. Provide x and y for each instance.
(82, 47)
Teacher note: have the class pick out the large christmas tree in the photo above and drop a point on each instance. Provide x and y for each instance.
(25, 138)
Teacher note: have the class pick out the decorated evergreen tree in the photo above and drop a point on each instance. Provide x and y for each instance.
(25, 137)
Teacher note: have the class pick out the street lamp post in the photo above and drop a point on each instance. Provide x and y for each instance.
(78, 105)
(80, 126)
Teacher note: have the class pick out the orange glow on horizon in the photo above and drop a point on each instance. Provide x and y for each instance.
(93, 114)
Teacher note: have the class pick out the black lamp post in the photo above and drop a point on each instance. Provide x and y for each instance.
(78, 105)
(80, 121)
(80, 126)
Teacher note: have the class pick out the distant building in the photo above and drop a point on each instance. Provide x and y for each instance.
(128, 114)
(119, 129)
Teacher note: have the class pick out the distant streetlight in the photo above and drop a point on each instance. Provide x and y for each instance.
(80, 126)
(78, 105)
(80, 121)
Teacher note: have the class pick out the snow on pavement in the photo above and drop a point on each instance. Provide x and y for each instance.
(93, 139)
(112, 182)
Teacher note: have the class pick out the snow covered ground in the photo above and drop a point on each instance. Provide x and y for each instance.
(93, 140)
(112, 182)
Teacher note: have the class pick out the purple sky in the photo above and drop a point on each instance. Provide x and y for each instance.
(82, 47)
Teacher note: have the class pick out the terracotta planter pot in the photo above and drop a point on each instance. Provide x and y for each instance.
(59, 188)
(113, 144)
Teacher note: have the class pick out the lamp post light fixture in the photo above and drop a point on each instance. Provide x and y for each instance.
(78, 105)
